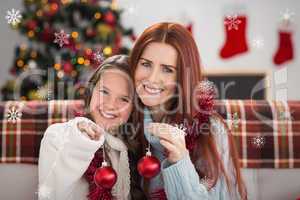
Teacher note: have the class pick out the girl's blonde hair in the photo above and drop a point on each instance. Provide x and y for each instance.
(119, 62)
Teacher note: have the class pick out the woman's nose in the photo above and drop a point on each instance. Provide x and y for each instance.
(154, 75)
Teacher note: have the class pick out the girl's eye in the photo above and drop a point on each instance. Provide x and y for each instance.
(145, 64)
(125, 100)
(104, 92)
(167, 69)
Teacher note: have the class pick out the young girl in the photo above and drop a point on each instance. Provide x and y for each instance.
(71, 152)
(201, 163)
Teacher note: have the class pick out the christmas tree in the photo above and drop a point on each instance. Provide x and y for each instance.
(66, 40)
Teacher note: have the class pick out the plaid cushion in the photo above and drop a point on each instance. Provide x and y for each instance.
(266, 132)
(21, 135)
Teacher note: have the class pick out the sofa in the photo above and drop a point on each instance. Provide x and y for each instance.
(266, 134)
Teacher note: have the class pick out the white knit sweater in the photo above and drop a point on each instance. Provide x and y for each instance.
(65, 154)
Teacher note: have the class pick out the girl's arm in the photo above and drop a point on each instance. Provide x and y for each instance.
(181, 180)
(65, 154)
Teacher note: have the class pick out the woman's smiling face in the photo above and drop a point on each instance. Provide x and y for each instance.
(156, 74)
(111, 102)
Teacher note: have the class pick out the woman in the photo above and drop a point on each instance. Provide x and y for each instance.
(166, 69)
(71, 152)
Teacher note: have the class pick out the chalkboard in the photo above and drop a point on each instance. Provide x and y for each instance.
(240, 85)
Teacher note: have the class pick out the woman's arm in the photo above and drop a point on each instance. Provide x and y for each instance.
(65, 154)
(182, 181)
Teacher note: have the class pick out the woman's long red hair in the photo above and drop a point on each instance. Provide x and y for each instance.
(189, 75)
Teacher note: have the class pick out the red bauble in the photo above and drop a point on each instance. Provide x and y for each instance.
(90, 32)
(47, 35)
(110, 18)
(133, 37)
(31, 25)
(105, 176)
(72, 45)
(189, 27)
(51, 9)
(68, 67)
(148, 166)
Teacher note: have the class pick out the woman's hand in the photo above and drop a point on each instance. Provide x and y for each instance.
(171, 138)
(91, 130)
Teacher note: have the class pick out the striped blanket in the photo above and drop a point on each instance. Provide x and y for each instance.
(266, 132)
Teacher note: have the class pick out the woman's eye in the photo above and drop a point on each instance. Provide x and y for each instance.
(167, 69)
(104, 92)
(145, 64)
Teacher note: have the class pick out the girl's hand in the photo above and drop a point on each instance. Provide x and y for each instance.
(91, 130)
(172, 138)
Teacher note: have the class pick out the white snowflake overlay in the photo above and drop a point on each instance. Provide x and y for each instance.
(13, 17)
(285, 115)
(180, 126)
(258, 43)
(287, 15)
(178, 130)
(235, 120)
(61, 38)
(13, 114)
(207, 182)
(44, 93)
(131, 9)
(207, 85)
(98, 56)
(44, 192)
(232, 21)
(258, 141)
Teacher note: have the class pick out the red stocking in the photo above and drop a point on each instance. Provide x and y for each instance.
(285, 48)
(189, 27)
(235, 43)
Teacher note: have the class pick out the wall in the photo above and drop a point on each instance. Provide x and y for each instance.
(263, 18)
(207, 16)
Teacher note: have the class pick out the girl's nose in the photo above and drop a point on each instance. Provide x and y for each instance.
(111, 104)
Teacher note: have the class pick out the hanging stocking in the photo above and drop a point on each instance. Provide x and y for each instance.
(285, 51)
(235, 29)
(189, 27)
(185, 20)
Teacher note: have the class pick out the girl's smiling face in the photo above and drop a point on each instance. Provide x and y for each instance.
(111, 102)
(156, 74)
